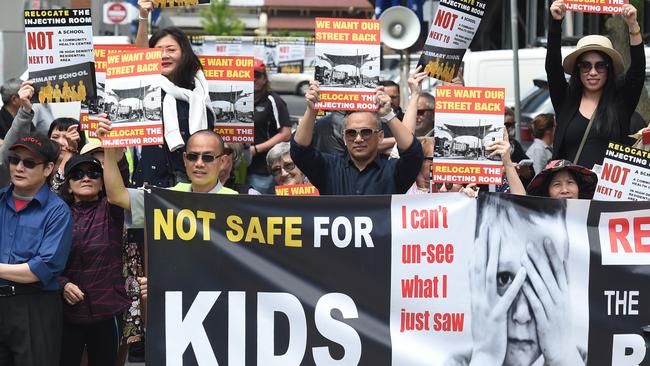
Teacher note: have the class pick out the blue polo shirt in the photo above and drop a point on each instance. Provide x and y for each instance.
(338, 175)
(40, 235)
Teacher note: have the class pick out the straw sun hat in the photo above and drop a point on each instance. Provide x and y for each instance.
(594, 43)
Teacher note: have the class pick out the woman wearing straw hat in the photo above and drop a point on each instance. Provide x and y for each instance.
(595, 105)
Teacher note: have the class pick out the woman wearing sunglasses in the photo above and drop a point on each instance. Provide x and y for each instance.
(94, 295)
(595, 105)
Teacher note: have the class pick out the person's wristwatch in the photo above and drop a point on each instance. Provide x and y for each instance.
(387, 117)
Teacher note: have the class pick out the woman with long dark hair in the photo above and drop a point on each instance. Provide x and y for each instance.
(595, 105)
(185, 103)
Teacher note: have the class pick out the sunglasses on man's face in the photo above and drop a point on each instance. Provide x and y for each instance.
(80, 174)
(206, 158)
(421, 112)
(585, 67)
(352, 133)
(27, 163)
(277, 170)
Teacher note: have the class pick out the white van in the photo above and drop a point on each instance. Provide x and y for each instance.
(495, 69)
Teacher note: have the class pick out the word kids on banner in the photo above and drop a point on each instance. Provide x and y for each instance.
(132, 98)
(625, 174)
(453, 28)
(60, 57)
(230, 84)
(596, 6)
(347, 63)
(88, 120)
(420, 281)
(467, 119)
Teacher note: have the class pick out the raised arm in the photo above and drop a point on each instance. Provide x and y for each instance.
(116, 192)
(142, 37)
(502, 148)
(305, 130)
(403, 137)
(557, 83)
(415, 86)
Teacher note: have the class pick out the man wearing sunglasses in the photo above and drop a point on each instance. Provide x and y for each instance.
(34, 246)
(426, 115)
(363, 170)
(203, 159)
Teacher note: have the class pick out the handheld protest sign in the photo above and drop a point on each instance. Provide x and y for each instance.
(133, 98)
(453, 29)
(596, 6)
(467, 119)
(347, 63)
(230, 84)
(60, 56)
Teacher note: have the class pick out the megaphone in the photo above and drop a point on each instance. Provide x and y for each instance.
(400, 27)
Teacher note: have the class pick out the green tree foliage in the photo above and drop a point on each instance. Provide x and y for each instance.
(220, 20)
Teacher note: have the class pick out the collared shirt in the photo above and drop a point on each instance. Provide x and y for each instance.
(40, 235)
(540, 154)
(338, 175)
(95, 262)
(134, 218)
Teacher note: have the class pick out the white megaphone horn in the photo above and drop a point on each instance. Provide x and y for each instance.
(400, 27)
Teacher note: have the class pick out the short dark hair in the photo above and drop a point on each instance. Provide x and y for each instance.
(189, 63)
(206, 132)
(542, 123)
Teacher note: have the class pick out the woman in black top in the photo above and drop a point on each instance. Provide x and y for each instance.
(595, 90)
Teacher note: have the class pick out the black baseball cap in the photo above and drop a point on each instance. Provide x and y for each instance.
(77, 160)
(40, 145)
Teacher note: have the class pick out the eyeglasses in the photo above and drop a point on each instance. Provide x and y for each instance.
(277, 170)
(421, 112)
(27, 163)
(206, 158)
(509, 124)
(448, 186)
(352, 133)
(600, 66)
(79, 174)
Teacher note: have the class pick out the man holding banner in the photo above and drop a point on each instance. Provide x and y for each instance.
(363, 171)
(203, 162)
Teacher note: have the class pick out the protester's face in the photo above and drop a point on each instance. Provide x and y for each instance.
(522, 344)
(203, 175)
(85, 188)
(59, 137)
(424, 121)
(362, 149)
(593, 80)
(393, 93)
(563, 185)
(509, 123)
(171, 55)
(27, 181)
(285, 172)
(423, 179)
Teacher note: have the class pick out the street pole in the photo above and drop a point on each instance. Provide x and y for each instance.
(116, 29)
(515, 63)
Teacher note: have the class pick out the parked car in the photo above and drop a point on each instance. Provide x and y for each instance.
(291, 83)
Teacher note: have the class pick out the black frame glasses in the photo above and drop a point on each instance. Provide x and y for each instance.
(79, 174)
(27, 163)
(600, 66)
(206, 158)
(275, 171)
(365, 133)
(448, 186)
(421, 112)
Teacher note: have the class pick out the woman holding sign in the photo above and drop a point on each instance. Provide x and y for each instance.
(595, 105)
(185, 105)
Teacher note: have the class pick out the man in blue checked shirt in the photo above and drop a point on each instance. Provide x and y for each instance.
(35, 239)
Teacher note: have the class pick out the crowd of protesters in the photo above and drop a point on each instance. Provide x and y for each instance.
(71, 270)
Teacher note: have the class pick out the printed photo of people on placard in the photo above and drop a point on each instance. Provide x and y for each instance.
(135, 101)
(232, 101)
(349, 67)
